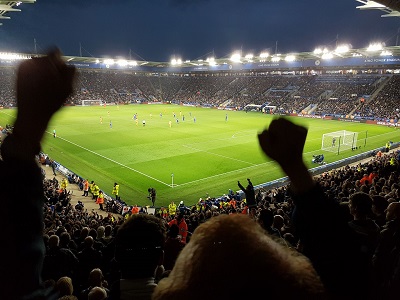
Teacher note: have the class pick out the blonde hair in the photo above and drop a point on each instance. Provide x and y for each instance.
(233, 248)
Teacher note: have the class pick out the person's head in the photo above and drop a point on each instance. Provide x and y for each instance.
(100, 232)
(360, 204)
(54, 241)
(64, 286)
(96, 277)
(97, 293)
(142, 236)
(108, 230)
(393, 211)
(265, 266)
(379, 204)
(278, 222)
(88, 242)
(266, 218)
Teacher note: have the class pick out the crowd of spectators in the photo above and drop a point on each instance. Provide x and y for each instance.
(79, 242)
(335, 236)
(330, 94)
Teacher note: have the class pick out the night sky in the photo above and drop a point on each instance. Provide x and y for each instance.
(155, 30)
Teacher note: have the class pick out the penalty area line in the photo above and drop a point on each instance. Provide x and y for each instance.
(113, 161)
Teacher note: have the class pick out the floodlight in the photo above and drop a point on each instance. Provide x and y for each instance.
(386, 53)
(290, 57)
(187, 61)
(275, 58)
(248, 56)
(327, 55)
(108, 61)
(132, 63)
(176, 61)
(122, 62)
(211, 61)
(264, 54)
(97, 61)
(235, 57)
(12, 56)
(318, 51)
(342, 48)
(375, 47)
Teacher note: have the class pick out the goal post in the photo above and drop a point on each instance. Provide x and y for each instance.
(97, 102)
(339, 140)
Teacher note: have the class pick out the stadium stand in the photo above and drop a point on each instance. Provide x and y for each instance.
(78, 241)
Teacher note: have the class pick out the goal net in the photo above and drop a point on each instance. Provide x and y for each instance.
(339, 140)
(92, 102)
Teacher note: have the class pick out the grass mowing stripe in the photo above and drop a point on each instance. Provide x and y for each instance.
(109, 159)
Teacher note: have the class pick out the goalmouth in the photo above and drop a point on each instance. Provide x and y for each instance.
(339, 140)
(92, 102)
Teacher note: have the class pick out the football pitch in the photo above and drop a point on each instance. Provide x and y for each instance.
(204, 154)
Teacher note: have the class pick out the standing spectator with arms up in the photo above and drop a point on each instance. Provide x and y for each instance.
(43, 85)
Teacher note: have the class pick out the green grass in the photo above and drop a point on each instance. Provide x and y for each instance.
(206, 157)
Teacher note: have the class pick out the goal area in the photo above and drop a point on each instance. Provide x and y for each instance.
(339, 140)
(92, 102)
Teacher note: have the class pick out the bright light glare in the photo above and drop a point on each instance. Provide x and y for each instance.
(264, 54)
(375, 47)
(275, 59)
(132, 63)
(327, 56)
(211, 61)
(122, 62)
(290, 57)
(342, 49)
(318, 51)
(386, 53)
(175, 61)
(249, 56)
(108, 61)
(235, 57)
(12, 56)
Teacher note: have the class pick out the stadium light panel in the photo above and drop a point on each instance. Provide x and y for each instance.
(12, 56)
(327, 55)
(318, 51)
(375, 47)
(122, 62)
(275, 58)
(108, 61)
(386, 53)
(264, 54)
(290, 57)
(342, 49)
(176, 61)
(235, 57)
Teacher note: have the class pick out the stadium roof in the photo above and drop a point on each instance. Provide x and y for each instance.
(10, 6)
(391, 8)
(301, 56)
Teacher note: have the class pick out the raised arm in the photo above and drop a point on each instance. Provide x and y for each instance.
(43, 84)
(284, 141)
